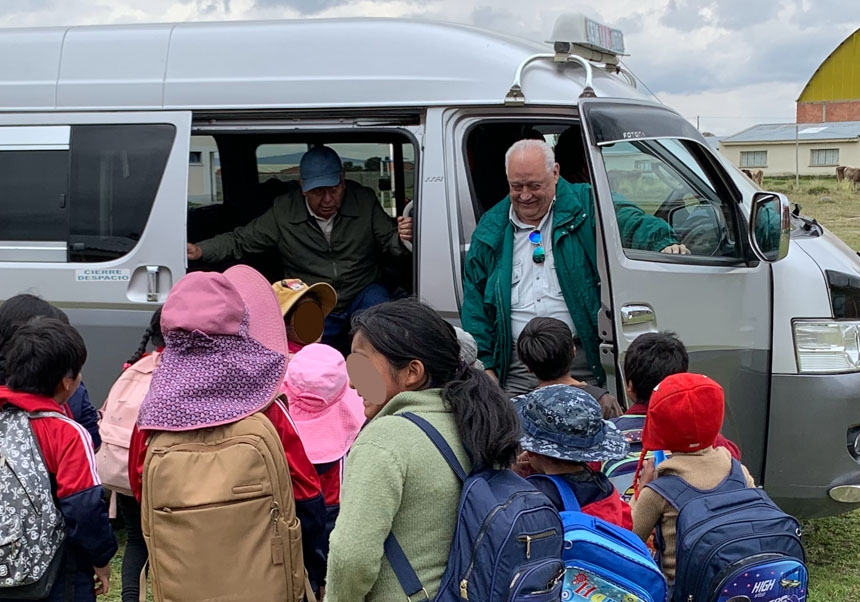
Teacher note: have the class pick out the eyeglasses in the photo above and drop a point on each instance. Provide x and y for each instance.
(539, 255)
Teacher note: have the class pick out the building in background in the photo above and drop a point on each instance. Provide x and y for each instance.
(833, 91)
(810, 148)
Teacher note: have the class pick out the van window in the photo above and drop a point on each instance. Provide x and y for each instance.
(115, 174)
(370, 164)
(663, 179)
(34, 186)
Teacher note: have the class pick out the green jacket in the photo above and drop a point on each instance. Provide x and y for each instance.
(362, 232)
(395, 480)
(486, 312)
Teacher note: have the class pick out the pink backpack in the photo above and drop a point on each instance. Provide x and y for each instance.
(118, 415)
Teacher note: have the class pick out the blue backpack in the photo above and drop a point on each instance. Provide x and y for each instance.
(507, 543)
(733, 543)
(603, 559)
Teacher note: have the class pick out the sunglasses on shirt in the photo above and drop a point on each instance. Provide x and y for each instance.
(538, 255)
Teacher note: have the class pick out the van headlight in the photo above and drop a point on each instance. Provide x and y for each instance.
(825, 346)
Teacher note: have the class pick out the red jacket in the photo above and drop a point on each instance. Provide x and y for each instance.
(67, 449)
(310, 505)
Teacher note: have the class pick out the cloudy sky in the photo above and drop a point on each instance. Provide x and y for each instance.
(732, 63)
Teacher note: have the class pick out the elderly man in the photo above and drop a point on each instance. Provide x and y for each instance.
(534, 254)
(327, 229)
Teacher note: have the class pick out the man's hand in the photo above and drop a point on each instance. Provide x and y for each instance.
(102, 584)
(193, 252)
(678, 249)
(610, 406)
(492, 375)
(404, 228)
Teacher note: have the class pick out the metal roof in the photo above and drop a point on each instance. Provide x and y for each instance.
(806, 132)
(300, 64)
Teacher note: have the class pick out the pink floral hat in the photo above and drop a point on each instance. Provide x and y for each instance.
(327, 412)
(225, 352)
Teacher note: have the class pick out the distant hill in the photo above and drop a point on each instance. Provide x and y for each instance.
(295, 158)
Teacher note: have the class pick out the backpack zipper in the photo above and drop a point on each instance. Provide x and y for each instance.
(464, 583)
(528, 539)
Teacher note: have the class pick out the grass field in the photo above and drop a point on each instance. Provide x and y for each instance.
(833, 544)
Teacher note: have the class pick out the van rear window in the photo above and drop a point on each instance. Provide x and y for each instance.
(92, 196)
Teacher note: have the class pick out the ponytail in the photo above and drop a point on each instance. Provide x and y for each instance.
(152, 333)
(407, 330)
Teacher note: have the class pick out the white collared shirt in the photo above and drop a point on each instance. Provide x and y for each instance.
(325, 224)
(535, 289)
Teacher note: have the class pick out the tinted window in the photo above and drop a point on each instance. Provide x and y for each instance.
(115, 174)
(33, 185)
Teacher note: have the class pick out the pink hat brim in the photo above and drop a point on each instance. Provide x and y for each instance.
(328, 435)
(265, 323)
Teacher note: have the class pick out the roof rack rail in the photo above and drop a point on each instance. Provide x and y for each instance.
(516, 97)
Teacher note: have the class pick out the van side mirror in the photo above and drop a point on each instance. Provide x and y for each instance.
(770, 225)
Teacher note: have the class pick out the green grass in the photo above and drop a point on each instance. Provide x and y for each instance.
(833, 556)
(836, 208)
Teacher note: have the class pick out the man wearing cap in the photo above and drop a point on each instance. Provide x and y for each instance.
(327, 229)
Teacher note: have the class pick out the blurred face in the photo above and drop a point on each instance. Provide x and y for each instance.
(325, 201)
(532, 187)
(305, 322)
(375, 379)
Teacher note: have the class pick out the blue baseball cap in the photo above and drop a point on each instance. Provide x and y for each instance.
(320, 167)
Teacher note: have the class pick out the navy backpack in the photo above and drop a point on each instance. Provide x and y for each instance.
(733, 543)
(507, 543)
(604, 561)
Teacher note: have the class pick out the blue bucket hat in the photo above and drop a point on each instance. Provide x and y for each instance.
(320, 167)
(565, 422)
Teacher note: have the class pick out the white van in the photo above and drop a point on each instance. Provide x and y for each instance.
(118, 144)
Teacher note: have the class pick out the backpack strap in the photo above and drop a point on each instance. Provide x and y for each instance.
(565, 491)
(440, 443)
(400, 564)
(678, 492)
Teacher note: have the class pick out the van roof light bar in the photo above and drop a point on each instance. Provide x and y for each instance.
(576, 33)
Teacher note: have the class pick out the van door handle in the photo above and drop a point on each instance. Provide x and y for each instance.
(636, 314)
(152, 282)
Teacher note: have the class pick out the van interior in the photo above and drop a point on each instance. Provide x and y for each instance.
(236, 177)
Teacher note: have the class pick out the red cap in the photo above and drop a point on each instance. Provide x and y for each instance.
(685, 414)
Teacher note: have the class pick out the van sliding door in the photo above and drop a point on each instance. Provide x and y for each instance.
(94, 209)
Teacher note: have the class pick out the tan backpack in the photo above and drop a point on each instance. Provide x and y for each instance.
(219, 517)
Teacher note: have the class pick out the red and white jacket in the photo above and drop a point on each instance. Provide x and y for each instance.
(67, 449)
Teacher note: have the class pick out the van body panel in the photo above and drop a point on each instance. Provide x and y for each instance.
(132, 284)
(282, 65)
(808, 444)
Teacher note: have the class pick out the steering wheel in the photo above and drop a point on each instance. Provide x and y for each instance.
(407, 212)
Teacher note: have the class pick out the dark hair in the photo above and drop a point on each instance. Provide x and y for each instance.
(546, 347)
(152, 333)
(652, 357)
(407, 330)
(41, 354)
(17, 311)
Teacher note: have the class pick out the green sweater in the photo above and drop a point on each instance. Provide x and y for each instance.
(395, 480)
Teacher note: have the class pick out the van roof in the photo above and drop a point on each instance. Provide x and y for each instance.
(300, 64)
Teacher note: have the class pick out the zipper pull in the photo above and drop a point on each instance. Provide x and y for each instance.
(464, 589)
(274, 515)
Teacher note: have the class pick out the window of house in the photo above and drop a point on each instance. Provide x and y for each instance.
(204, 181)
(753, 158)
(195, 158)
(825, 157)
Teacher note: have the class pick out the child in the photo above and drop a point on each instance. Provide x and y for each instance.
(563, 432)
(43, 369)
(547, 349)
(304, 309)
(684, 416)
(328, 414)
(649, 359)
